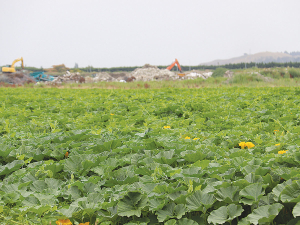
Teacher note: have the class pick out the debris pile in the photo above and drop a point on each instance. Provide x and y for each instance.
(17, 78)
(103, 76)
(194, 75)
(109, 77)
(228, 74)
(150, 73)
(69, 78)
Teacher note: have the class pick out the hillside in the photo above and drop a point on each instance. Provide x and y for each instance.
(264, 57)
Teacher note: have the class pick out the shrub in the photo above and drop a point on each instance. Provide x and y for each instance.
(219, 72)
(272, 73)
(282, 72)
(245, 78)
(294, 72)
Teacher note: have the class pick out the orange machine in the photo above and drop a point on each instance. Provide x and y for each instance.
(173, 64)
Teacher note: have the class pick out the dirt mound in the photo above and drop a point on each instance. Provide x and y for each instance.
(17, 78)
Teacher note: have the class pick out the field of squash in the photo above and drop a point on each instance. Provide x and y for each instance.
(164, 156)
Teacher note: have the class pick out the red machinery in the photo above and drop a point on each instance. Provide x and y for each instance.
(173, 64)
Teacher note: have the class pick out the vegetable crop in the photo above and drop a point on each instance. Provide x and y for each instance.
(167, 156)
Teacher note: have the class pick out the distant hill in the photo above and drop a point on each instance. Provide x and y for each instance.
(264, 57)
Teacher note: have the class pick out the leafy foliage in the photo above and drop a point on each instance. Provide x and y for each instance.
(129, 159)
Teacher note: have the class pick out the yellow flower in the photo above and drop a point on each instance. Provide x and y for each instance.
(277, 144)
(246, 144)
(167, 127)
(282, 151)
(187, 137)
(196, 138)
(87, 223)
(242, 144)
(63, 222)
(249, 145)
(112, 114)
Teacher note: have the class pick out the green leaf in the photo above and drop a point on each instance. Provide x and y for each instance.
(171, 222)
(40, 210)
(165, 157)
(200, 201)
(291, 193)
(296, 210)
(31, 201)
(138, 221)
(156, 204)
(182, 221)
(11, 167)
(144, 133)
(4, 150)
(170, 211)
(252, 178)
(279, 188)
(264, 214)
(225, 214)
(228, 194)
(38, 186)
(201, 163)
(295, 221)
(252, 193)
(73, 164)
(68, 211)
(193, 156)
(132, 204)
(185, 221)
(111, 145)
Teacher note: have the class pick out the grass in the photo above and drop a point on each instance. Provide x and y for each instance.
(238, 81)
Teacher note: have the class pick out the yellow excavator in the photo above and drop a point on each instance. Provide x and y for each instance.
(11, 68)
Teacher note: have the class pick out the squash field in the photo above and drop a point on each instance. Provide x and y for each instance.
(164, 156)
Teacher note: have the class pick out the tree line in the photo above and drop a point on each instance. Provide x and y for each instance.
(184, 68)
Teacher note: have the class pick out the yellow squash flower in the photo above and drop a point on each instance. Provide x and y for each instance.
(112, 114)
(282, 151)
(277, 144)
(196, 139)
(242, 144)
(63, 222)
(249, 145)
(246, 144)
(87, 223)
(187, 137)
(167, 127)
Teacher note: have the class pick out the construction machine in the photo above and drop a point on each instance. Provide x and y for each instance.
(178, 66)
(11, 68)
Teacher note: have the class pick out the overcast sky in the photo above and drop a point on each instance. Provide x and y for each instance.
(112, 33)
